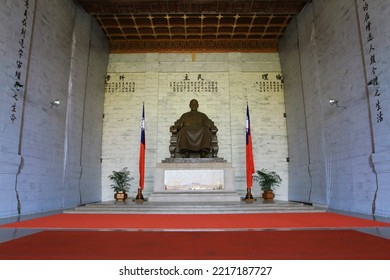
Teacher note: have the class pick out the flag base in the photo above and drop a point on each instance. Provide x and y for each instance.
(139, 197)
(249, 196)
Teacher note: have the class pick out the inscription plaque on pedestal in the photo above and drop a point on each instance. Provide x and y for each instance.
(194, 180)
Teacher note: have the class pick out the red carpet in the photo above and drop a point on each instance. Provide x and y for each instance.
(196, 221)
(224, 245)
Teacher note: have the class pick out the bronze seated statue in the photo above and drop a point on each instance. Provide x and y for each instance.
(193, 135)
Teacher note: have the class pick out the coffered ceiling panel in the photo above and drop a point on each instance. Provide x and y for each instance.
(193, 26)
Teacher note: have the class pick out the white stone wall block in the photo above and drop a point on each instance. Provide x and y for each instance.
(226, 107)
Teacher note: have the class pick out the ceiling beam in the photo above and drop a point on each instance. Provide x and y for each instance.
(201, 45)
(108, 7)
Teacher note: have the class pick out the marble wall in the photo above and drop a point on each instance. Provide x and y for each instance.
(223, 83)
(57, 157)
(49, 155)
(338, 154)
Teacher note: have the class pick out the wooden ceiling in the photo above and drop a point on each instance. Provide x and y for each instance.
(193, 26)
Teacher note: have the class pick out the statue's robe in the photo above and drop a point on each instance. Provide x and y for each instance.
(194, 132)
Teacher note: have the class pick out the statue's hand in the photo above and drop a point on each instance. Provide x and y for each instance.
(177, 125)
(173, 129)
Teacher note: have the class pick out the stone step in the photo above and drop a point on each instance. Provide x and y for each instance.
(201, 197)
(131, 207)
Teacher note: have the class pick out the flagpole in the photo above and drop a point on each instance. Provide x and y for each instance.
(250, 169)
(140, 197)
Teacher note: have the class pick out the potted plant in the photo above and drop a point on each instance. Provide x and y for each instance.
(268, 181)
(120, 183)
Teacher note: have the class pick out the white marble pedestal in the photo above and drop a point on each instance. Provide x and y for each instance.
(194, 180)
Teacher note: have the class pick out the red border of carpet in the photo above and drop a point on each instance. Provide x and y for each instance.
(198, 245)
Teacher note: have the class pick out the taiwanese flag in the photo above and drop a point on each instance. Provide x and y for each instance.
(142, 152)
(250, 167)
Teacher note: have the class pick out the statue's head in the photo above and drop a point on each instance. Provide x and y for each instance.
(194, 105)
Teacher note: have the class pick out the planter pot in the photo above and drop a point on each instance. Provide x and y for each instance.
(268, 195)
(120, 196)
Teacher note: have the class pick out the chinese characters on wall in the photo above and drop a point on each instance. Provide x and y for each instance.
(373, 80)
(18, 86)
(269, 83)
(120, 84)
(194, 83)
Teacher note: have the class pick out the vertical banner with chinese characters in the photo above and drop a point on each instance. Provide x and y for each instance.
(371, 21)
(374, 31)
(17, 86)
